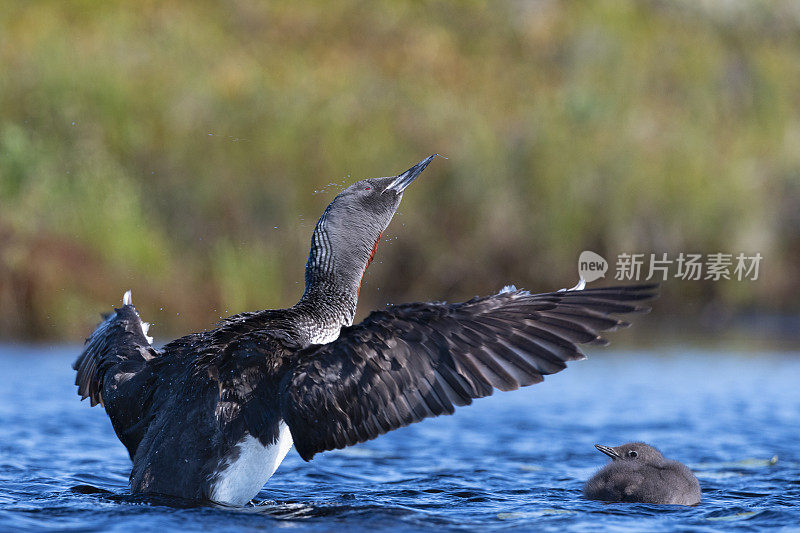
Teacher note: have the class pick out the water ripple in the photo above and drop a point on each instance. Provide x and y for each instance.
(514, 461)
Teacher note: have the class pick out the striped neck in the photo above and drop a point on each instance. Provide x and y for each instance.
(331, 293)
(323, 313)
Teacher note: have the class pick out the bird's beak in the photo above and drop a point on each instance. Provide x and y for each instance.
(611, 452)
(404, 180)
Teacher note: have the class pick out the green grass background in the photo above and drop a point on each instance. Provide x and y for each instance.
(185, 149)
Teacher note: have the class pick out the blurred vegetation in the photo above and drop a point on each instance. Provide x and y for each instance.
(185, 149)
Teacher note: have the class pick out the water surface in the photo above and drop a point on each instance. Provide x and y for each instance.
(515, 460)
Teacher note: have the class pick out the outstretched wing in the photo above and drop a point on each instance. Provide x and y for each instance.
(414, 361)
(112, 371)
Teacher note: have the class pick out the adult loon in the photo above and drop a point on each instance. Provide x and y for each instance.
(211, 415)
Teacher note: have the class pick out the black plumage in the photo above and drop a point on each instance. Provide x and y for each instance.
(420, 360)
(210, 415)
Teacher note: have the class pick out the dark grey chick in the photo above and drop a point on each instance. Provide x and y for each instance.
(639, 473)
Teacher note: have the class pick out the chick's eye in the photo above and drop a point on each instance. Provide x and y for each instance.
(632, 453)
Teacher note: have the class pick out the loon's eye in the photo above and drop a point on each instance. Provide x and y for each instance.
(633, 453)
(367, 188)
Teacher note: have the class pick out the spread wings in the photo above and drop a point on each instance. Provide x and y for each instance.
(112, 370)
(119, 343)
(414, 361)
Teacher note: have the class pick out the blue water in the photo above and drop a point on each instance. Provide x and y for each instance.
(512, 461)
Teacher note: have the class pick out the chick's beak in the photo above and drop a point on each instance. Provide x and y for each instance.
(609, 451)
(404, 180)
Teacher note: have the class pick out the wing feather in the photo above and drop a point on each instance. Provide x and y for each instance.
(113, 371)
(416, 361)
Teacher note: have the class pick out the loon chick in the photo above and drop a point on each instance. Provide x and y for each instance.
(211, 415)
(639, 473)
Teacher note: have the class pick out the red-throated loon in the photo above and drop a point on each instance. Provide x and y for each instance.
(211, 415)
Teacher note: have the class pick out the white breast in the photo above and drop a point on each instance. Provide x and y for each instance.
(240, 479)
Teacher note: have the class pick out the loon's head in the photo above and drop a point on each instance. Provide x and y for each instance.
(633, 451)
(347, 233)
